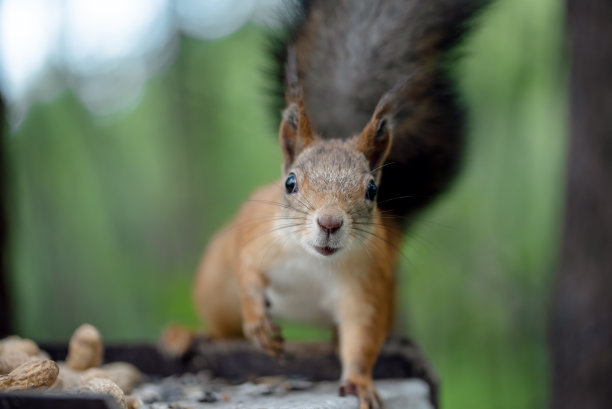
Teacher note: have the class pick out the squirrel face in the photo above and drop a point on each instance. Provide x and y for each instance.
(330, 189)
(330, 185)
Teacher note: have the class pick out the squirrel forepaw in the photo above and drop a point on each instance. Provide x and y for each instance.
(366, 393)
(266, 335)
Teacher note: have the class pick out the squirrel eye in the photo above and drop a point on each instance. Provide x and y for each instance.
(371, 191)
(291, 183)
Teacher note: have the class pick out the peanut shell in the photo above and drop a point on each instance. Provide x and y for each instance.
(85, 349)
(125, 375)
(133, 402)
(15, 343)
(32, 374)
(176, 340)
(106, 387)
(12, 359)
(67, 379)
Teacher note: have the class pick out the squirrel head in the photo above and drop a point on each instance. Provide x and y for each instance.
(330, 186)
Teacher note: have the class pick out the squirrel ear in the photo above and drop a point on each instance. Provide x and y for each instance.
(375, 139)
(295, 133)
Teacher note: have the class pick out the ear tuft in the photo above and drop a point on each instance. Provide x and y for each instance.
(381, 128)
(291, 116)
(376, 138)
(295, 133)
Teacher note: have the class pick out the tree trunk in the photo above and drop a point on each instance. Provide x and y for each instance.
(581, 327)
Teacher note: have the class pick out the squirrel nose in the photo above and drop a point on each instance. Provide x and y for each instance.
(330, 224)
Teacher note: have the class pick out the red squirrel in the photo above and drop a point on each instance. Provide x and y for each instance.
(371, 133)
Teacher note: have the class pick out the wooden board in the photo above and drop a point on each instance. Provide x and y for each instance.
(402, 373)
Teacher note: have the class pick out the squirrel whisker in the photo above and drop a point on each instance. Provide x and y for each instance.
(275, 229)
(402, 197)
(382, 166)
(388, 242)
(283, 205)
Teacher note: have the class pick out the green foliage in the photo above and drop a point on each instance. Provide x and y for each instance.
(476, 286)
(110, 215)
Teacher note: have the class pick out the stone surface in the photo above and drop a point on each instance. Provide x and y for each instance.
(201, 392)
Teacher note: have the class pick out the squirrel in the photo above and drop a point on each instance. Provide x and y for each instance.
(371, 133)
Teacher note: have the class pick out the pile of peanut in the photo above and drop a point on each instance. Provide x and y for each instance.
(24, 366)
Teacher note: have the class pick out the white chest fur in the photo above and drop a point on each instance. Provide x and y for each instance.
(304, 288)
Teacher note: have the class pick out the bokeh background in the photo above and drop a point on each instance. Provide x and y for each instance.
(137, 128)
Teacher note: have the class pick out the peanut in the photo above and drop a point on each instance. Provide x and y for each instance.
(106, 387)
(12, 359)
(85, 349)
(176, 340)
(67, 379)
(15, 343)
(133, 402)
(32, 374)
(125, 375)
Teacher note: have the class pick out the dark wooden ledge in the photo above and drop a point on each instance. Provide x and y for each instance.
(239, 361)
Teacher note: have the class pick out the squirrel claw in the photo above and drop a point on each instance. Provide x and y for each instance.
(347, 388)
(367, 395)
(267, 336)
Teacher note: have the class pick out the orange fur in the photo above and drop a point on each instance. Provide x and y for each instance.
(231, 280)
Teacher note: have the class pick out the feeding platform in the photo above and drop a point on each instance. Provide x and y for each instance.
(235, 374)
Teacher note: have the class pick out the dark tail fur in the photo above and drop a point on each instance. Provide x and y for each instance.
(350, 53)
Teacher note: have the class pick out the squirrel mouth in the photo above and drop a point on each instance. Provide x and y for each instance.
(326, 251)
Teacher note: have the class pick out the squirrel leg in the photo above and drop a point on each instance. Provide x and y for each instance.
(257, 325)
(362, 330)
(215, 291)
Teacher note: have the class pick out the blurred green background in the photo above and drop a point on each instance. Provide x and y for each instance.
(109, 214)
